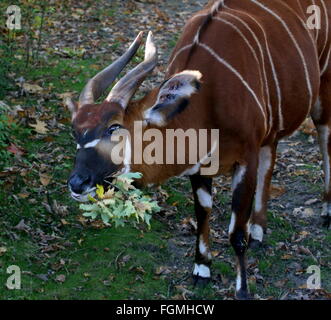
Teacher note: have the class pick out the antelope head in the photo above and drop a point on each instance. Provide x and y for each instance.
(96, 124)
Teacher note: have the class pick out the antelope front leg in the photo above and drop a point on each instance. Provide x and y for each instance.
(244, 182)
(324, 133)
(258, 221)
(321, 115)
(202, 189)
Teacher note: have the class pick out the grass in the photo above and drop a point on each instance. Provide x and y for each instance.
(63, 257)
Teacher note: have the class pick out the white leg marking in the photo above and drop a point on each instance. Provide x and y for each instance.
(265, 159)
(201, 270)
(205, 199)
(326, 212)
(238, 281)
(240, 77)
(317, 110)
(324, 133)
(256, 232)
(203, 249)
(295, 44)
(232, 223)
(238, 177)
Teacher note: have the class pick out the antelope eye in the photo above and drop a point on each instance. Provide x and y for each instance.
(112, 128)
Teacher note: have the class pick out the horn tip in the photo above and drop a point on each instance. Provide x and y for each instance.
(140, 35)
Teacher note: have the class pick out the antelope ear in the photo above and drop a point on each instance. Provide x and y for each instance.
(173, 97)
(72, 106)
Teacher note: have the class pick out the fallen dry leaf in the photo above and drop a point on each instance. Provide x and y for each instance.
(276, 191)
(60, 278)
(3, 250)
(13, 148)
(40, 127)
(44, 179)
(162, 270)
(32, 88)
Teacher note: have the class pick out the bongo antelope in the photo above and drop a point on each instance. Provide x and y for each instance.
(251, 68)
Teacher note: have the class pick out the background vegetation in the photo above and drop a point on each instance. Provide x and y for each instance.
(62, 254)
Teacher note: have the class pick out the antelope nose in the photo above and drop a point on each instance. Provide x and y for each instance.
(78, 183)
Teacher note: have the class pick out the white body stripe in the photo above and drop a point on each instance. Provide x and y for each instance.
(304, 23)
(178, 53)
(317, 31)
(265, 159)
(326, 63)
(205, 199)
(310, 91)
(263, 64)
(195, 169)
(327, 28)
(201, 270)
(248, 44)
(274, 73)
(237, 74)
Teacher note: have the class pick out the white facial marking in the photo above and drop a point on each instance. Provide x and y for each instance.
(91, 144)
(84, 197)
(238, 177)
(232, 222)
(256, 232)
(155, 117)
(265, 159)
(201, 270)
(205, 199)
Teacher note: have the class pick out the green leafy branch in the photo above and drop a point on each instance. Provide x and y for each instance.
(122, 203)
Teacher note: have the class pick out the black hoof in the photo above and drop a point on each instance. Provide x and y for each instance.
(200, 281)
(326, 222)
(243, 295)
(254, 244)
